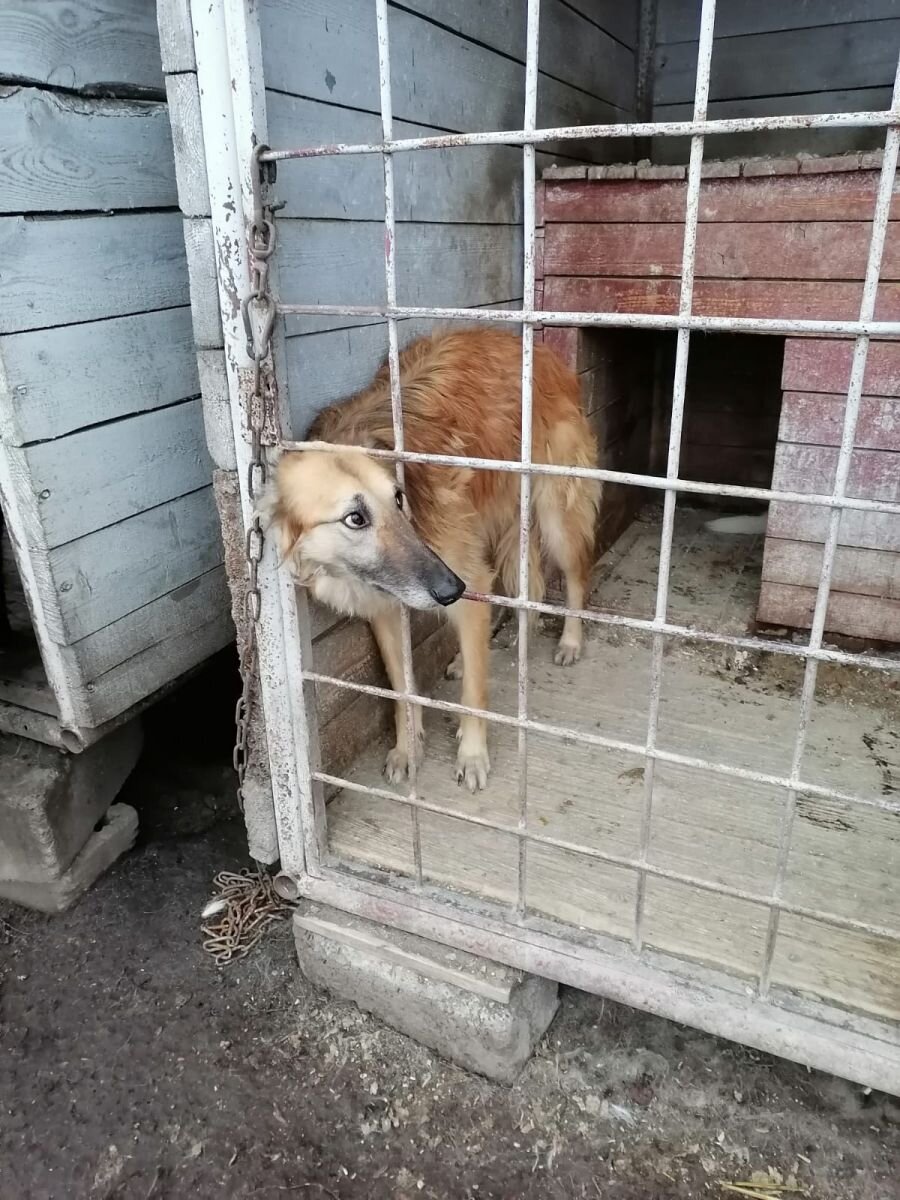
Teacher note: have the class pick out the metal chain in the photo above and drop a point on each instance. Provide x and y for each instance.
(258, 311)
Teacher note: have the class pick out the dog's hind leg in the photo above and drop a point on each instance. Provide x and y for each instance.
(473, 625)
(388, 633)
(566, 515)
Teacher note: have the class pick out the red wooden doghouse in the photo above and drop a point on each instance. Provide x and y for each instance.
(777, 238)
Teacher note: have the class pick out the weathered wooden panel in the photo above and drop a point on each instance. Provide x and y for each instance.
(846, 196)
(470, 183)
(329, 52)
(63, 153)
(341, 262)
(679, 20)
(176, 36)
(864, 572)
(200, 251)
(115, 470)
(123, 567)
(817, 418)
(57, 272)
(90, 45)
(183, 97)
(874, 531)
(790, 141)
(802, 299)
(776, 250)
(874, 474)
(856, 54)
(575, 50)
(78, 375)
(217, 409)
(852, 615)
(823, 365)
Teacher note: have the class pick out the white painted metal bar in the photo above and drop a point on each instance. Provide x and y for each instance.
(656, 482)
(775, 326)
(842, 474)
(639, 749)
(570, 133)
(679, 394)
(529, 169)
(390, 274)
(618, 860)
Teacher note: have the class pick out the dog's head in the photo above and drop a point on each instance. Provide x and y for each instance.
(342, 515)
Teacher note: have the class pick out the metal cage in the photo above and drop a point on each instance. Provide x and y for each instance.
(763, 1015)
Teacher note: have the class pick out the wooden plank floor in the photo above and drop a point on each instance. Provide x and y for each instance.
(845, 859)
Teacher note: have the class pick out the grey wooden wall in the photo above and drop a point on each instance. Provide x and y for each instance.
(105, 473)
(776, 57)
(456, 65)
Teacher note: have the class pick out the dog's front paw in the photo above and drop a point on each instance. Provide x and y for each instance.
(473, 767)
(455, 669)
(567, 653)
(396, 765)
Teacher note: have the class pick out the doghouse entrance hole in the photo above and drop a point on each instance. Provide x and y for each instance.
(23, 680)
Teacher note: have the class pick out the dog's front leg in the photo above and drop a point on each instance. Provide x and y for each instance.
(473, 624)
(388, 633)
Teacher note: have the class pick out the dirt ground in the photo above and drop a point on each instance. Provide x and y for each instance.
(131, 1067)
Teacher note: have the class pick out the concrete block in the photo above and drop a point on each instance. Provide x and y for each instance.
(755, 168)
(721, 169)
(613, 171)
(830, 165)
(104, 846)
(578, 172)
(661, 171)
(50, 801)
(486, 1017)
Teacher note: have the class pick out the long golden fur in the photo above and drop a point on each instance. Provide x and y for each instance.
(461, 396)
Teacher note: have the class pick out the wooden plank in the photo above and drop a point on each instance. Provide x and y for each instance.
(874, 474)
(572, 49)
(123, 567)
(776, 250)
(217, 409)
(57, 272)
(477, 183)
(183, 97)
(78, 375)
(851, 55)
(91, 45)
(64, 153)
(791, 141)
(678, 20)
(823, 365)
(328, 51)
(176, 36)
(200, 251)
(846, 196)
(115, 470)
(620, 20)
(819, 419)
(799, 299)
(184, 608)
(341, 262)
(874, 531)
(862, 572)
(871, 617)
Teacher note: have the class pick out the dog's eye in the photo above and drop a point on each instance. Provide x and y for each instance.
(398, 496)
(356, 520)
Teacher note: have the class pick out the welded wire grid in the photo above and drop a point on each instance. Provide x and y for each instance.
(684, 322)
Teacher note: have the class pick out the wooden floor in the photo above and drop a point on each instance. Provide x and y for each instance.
(845, 859)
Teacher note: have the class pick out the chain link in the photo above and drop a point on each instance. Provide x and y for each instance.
(258, 311)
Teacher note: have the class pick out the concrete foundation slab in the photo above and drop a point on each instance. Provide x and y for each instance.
(481, 1015)
(103, 847)
(50, 800)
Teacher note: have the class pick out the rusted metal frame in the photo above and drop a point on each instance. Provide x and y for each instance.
(774, 326)
(656, 482)
(390, 278)
(529, 220)
(617, 860)
(676, 421)
(638, 749)
(580, 133)
(877, 241)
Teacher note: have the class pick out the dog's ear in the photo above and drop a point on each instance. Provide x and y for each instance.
(277, 521)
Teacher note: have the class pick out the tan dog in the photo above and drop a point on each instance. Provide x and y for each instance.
(363, 546)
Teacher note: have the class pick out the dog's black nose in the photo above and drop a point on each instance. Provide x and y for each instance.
(447, 589)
